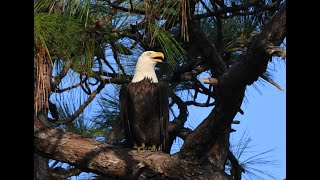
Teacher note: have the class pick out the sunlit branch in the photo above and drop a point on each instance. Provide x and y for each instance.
(213, 81)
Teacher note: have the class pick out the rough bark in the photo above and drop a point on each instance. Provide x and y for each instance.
(117, 162)
(41, 168)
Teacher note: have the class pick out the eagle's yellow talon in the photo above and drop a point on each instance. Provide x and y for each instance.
(142, 147)
(154, 148)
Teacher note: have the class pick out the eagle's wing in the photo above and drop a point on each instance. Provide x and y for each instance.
(164, 114)
(123, 96)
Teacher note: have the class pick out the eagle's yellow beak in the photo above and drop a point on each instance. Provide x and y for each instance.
(158, 57)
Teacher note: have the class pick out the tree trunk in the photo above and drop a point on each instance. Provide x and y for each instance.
(41, 168)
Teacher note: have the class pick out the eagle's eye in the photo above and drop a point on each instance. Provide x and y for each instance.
(149, 53)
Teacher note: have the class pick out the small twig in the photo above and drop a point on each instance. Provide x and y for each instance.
(266, 78)
(205, 6)
(115, 56)
(87, 91)
(199, 104)
(241, 111)
(68, 88)
(235, 122)
(83, 106)
(107, 63)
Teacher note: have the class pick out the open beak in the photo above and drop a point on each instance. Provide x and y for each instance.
(158, 57)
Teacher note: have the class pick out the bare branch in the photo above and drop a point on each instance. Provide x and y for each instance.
(235, 122)
(68, 88)
(83, 106)
(203, 88)
(205, 6)
(266, 78)
(212, 81)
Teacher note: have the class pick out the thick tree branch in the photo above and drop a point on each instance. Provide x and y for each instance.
(116, 162)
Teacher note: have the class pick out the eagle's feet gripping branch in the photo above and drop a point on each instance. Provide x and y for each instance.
(143, 147)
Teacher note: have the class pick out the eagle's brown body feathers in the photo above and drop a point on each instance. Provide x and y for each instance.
(145, 113)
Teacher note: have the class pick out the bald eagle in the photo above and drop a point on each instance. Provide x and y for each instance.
(144, 106)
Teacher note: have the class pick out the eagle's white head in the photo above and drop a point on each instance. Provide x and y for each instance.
(145, 66)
